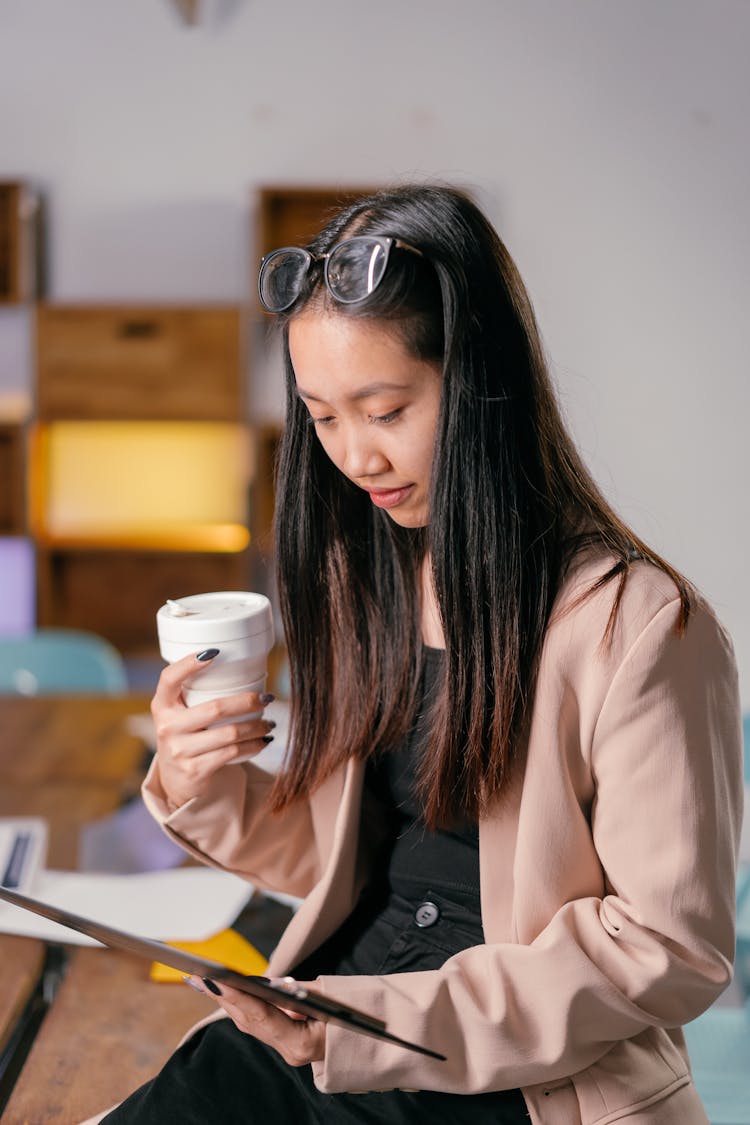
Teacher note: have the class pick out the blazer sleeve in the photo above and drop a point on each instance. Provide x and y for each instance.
(654, 950)
(232, 827)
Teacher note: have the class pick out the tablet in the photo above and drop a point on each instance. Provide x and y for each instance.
(284, 993)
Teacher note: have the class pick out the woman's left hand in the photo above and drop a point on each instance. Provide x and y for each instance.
(297, 1039)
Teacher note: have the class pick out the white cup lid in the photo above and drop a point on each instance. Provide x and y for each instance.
(223, 616)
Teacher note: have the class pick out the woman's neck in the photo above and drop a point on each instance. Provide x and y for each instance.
(432, 629)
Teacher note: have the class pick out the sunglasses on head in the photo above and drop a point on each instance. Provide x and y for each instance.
(352, 270)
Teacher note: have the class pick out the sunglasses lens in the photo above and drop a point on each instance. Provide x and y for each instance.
(281, 277)
(355, 268)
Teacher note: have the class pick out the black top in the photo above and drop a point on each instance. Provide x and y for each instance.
(417, 866)
(447, 858)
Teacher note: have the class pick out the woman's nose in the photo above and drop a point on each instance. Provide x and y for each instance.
(363, 458)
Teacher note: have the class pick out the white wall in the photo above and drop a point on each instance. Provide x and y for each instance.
(608, 141)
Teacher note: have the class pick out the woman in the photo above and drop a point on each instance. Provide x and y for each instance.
(512, 800)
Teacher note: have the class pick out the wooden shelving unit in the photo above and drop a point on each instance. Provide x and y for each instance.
(140, 362)
(98, 365)
(12, 478)
(19, 216)
(291, 216)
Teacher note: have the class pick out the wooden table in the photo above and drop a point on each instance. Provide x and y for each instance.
(108, 1027)
(69, 759)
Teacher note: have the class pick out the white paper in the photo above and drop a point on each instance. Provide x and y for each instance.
(187, 904)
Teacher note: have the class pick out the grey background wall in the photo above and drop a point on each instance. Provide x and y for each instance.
(607, 140)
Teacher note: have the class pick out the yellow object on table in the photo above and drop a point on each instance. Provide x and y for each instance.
(227, 947)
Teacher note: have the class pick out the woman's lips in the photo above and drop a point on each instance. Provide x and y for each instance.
(388, 497)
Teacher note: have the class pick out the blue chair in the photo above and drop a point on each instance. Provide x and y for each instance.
(60, 662)
(719, 1040)
(742, 959)
(719, 1047)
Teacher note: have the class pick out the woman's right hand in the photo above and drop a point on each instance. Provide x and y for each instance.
(189, 747)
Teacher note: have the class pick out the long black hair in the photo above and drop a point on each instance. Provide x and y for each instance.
(511, 503)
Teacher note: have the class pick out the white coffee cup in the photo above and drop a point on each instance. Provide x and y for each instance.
(239, 624)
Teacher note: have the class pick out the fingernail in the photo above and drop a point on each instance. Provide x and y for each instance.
(267, 697)
(191, 984)
(211, 986)
(207, 654)
(267, 738)
(271, 723)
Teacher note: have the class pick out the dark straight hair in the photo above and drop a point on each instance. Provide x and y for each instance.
(511, 503)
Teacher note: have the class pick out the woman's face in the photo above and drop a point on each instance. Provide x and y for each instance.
(373, 405)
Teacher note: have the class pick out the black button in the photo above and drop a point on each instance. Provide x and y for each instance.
(426, 914)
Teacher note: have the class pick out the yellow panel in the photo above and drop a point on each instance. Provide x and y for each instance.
(228, 948)
(144, 482)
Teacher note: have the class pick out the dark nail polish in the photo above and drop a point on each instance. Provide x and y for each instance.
(207, 654)
(267, 697)
(267, 738)
(211, 986)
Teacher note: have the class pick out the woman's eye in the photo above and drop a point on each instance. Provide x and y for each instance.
(320, 421)
(386, 418)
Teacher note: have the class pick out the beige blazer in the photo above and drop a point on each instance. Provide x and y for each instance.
(607, 878)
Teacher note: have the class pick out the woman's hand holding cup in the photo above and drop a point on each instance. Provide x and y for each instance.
(192, 743)
(208, 707)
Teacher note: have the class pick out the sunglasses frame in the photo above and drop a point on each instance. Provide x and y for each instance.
(385, 241)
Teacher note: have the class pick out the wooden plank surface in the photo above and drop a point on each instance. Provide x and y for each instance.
(109, 1030)
(80, 739)
(69, 759)
(21, 964)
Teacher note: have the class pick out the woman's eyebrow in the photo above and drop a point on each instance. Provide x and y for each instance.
(362, 392)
